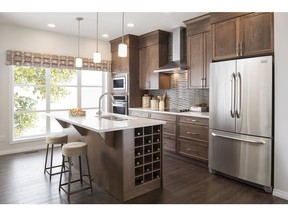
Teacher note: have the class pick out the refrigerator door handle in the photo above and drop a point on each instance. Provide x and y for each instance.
(239, 139)
(239, 95)
(232, 98)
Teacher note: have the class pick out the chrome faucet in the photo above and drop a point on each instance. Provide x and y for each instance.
(100, 98)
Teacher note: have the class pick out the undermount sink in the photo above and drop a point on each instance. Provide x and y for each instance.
(113, 118)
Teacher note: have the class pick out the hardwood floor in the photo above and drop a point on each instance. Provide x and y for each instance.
(22, 181)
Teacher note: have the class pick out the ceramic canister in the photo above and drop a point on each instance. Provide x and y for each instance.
(146, 101)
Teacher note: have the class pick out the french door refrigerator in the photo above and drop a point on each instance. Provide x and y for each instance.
(241, 120)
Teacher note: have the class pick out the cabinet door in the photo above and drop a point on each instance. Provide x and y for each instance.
(207, 56)
(196, 60)
(153, 64)
(143, 66)
(257, 34)
(120, 64)
(225, 37)
(149, 61)
(115, 62)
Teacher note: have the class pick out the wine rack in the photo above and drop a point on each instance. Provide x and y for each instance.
(147, 151)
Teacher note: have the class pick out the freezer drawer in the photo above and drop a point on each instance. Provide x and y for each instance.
(244, 157)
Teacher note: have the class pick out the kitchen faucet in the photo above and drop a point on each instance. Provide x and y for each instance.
(100, 98)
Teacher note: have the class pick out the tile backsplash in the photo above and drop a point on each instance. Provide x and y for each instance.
(179, 96)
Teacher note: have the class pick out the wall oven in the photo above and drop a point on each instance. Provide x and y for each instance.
(119, 83)
(120, 105)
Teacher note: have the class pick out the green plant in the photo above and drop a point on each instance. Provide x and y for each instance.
(37, 78)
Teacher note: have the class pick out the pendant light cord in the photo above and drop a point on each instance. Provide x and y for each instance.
(122, 27)
(79, 19)
(78, 37)
(97, 34)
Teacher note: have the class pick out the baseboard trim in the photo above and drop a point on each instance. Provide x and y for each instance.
(280, 194)
(21, 150)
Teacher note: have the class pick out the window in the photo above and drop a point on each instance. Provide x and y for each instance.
(40, 90)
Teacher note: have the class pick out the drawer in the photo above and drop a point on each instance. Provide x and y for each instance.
(164, 117)
(194, 120)
(190, 131)
(138, 113)
(169, 128)
(169, 143)
(194, 148)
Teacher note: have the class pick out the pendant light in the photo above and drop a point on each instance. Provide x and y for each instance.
(78, 62)
(122, 48)
(97, 55)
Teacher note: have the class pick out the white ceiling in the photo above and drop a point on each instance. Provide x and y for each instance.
(109, 22)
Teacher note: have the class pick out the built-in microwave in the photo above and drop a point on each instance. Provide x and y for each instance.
(119, 83)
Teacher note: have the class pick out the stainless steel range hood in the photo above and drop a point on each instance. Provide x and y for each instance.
(178, 62)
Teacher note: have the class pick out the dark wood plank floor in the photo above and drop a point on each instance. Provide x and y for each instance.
(22, 181)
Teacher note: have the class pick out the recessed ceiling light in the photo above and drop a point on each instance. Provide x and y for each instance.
(51, 25)
(105, 35)
(130, 25)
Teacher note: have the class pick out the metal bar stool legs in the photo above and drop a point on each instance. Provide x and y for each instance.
(70, 150)
(56, 139)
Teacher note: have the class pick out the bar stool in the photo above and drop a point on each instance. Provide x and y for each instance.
(74, 149)
(51, 140)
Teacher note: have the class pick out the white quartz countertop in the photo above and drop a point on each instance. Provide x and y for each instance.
(93, 123)
(192, 114)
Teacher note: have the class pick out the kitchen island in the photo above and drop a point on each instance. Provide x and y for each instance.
(125, 153)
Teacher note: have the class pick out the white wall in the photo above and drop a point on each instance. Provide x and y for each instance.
(281, 105)
(30, 40)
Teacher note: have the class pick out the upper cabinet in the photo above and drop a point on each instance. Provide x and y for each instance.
(236, 35)
(153, 53)
(199, 51)
(125, 64)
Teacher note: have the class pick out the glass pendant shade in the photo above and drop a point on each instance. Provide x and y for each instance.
(78, 62)
(97, 57)
(122, 50)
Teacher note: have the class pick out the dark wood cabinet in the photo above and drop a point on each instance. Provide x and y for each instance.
(184, 136)
(199, 59)
(248, 35)
(130, 66)
(199, 51)
(193, 137)
(169, 130)
(257, 34)
(153, 53)
(129, 63)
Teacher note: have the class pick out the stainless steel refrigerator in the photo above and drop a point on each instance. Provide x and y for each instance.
(241, 120)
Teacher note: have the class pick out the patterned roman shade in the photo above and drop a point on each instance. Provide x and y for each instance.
(52, 61)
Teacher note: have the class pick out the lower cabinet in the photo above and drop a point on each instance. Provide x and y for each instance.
(169, 130)
(193, 138)
(194, 148)
(183, 135)
(169, 143)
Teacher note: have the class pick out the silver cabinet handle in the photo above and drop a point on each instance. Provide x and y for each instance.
(237, 48)
(191, 120)
(239, 139)
(192, 133)
(232, 97)
(241, 48)
(239, 95)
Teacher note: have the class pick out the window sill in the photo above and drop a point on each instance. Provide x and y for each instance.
(28, 140)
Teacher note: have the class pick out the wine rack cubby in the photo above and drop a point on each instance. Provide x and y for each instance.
(147, 151)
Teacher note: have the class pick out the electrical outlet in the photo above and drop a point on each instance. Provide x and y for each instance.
(2, 138)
